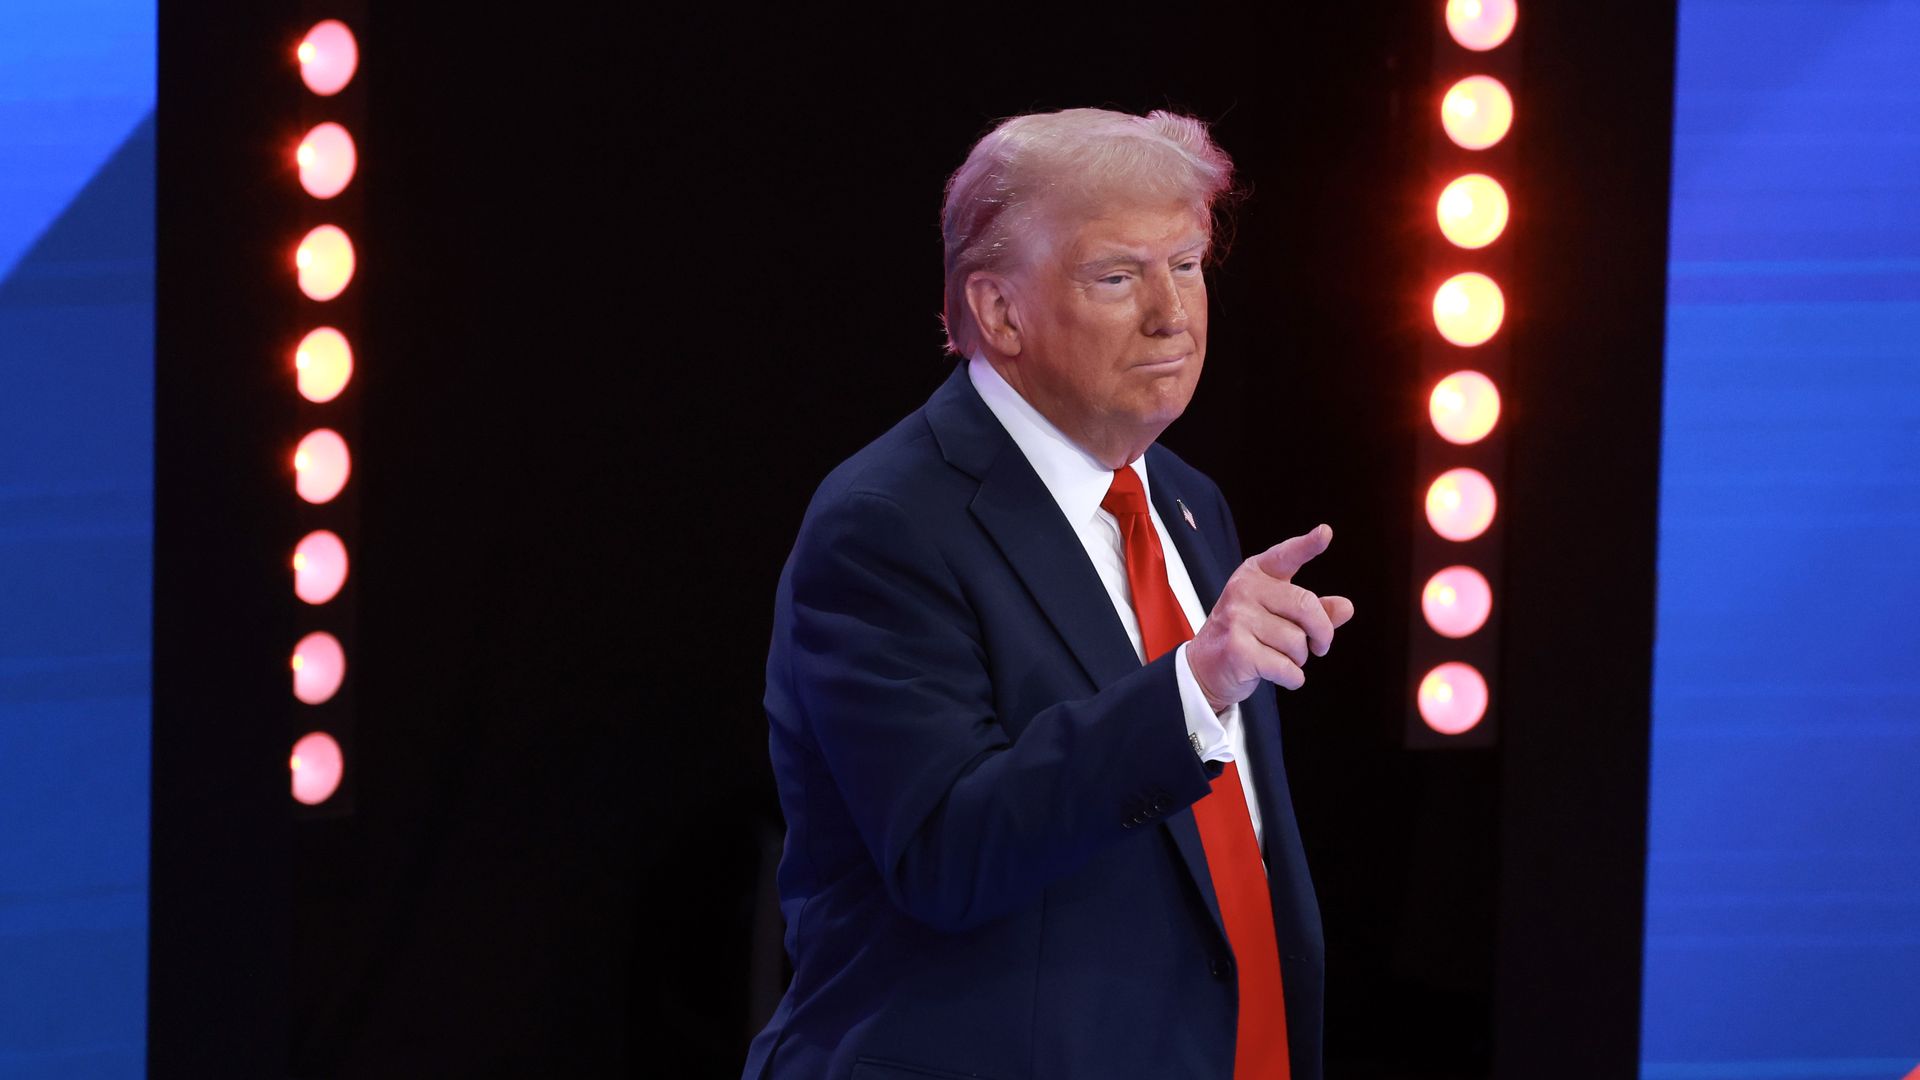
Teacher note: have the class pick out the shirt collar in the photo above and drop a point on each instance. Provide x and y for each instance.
(1075, 479)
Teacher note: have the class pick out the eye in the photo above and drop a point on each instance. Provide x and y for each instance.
(1191, 266)
(1114, 279)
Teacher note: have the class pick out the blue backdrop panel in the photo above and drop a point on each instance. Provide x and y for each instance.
(76, 449)
(1783, 888)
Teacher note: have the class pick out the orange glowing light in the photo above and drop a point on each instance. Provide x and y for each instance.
(1460, 504)
(1468, 309)
(1481, 24)
(1457, 601)
(1453, 698)
(1464, 407)
(328, 57)
(324, 363)
(1476, 112)
(1473, 211)
(325, 261)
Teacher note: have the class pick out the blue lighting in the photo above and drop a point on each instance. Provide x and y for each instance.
(1783, 886)
(76, 532)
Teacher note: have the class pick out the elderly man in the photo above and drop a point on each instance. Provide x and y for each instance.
(1018, 691)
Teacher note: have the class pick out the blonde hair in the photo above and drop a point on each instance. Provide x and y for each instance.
(993, 200)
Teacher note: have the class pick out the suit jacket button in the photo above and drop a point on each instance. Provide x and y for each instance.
(1222, 968)
(1161, 804)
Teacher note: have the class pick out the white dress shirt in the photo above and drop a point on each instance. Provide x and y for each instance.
(1078, 483)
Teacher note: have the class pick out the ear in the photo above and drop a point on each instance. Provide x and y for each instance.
(990, 298)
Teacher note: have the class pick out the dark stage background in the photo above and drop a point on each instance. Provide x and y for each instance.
(634, 284)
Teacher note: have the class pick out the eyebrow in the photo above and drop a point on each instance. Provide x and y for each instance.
(1131, 258)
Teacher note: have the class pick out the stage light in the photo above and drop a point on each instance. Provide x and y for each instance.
(1460, 504)
(1468, 309)
(328, 57)
(321, 465)
(1473, 211)
(1481, 24)
(1464, 407)
(325, 261)
(326, 160)
(319, 664)
(1457, 601)
(1477, 112)
(319, 566)
(316, 765)
(323, 363)
(1453, 698)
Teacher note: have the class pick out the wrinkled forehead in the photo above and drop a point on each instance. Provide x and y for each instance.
(1074, 230)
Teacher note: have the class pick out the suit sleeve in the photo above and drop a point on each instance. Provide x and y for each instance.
(889, 671)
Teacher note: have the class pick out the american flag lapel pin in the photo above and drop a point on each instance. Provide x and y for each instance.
(1188, 514)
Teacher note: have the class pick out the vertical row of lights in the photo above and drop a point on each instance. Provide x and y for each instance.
(321, 370)
(1465, 365)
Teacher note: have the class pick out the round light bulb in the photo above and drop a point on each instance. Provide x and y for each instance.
(1453, 698)
(323, 362)
(321, 465)
(1460, 504)
(1472, 211)
(1481, 24)
(327, 159)
(316, 764)
(1476, 112)
(319, 566)
(319, 666)
(1464, 407)
(1456, 601)
(328, 57)
(325, 261)
(1468, 309)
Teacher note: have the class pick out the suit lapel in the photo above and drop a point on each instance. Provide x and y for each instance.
(1019, 514)
(1017, 511)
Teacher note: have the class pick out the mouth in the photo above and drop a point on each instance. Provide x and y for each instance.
(1165, 363)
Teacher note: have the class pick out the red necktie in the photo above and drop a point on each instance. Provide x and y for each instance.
(1226, 829)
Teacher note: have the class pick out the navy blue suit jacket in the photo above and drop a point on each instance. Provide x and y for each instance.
(991, 869)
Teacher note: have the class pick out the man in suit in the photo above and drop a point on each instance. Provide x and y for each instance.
(1020, 688)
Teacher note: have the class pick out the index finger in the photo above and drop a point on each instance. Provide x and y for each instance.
(1284, 559)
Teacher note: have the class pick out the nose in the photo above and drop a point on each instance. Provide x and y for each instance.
(1166, 313)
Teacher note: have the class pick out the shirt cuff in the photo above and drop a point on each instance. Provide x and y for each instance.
(1205, 731)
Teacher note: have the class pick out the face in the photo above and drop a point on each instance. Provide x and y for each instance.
(1111, 323)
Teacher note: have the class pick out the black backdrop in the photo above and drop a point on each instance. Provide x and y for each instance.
(634, 283)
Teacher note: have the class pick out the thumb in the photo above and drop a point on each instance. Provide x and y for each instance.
(1339, 609)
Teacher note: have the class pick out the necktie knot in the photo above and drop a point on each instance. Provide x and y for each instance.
(1126, 495)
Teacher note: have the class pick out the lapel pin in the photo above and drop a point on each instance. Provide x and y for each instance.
(1188, 514)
